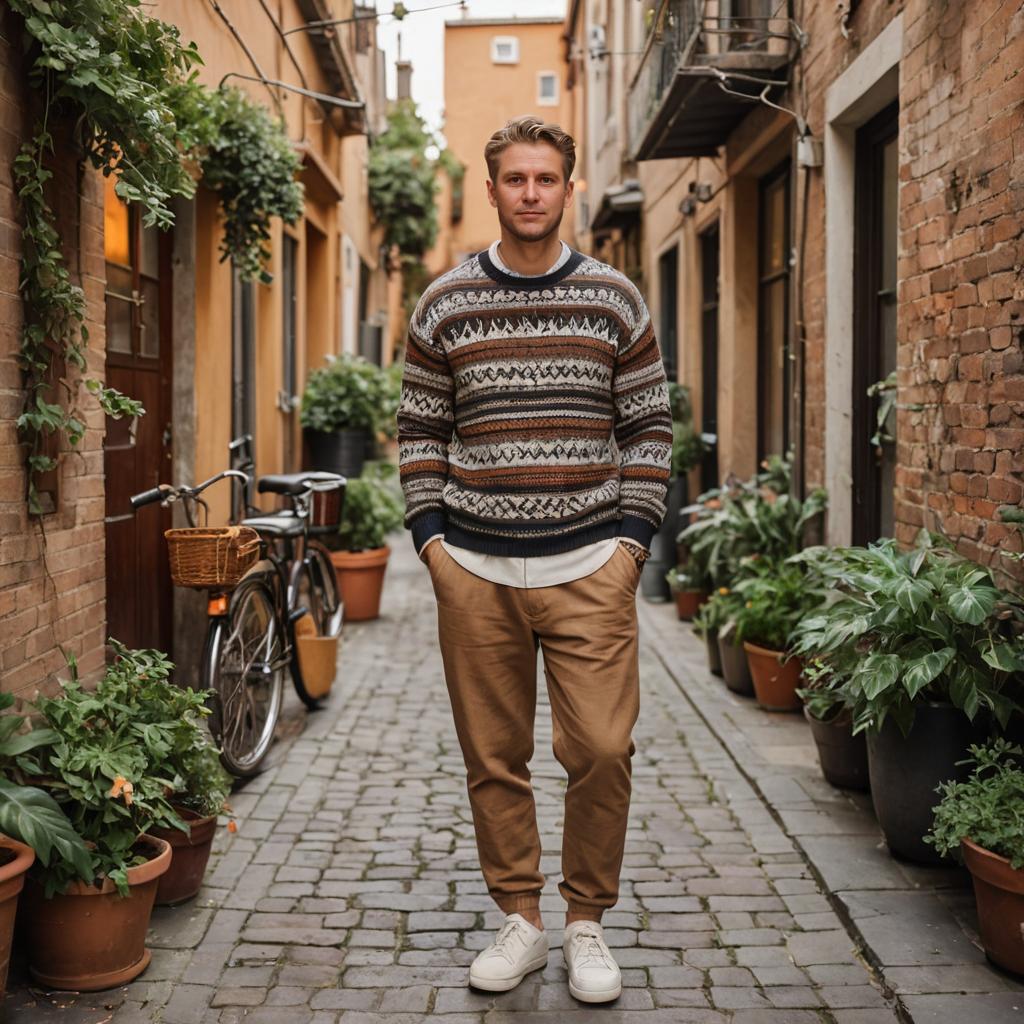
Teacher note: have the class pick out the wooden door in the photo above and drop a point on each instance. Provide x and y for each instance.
(138, 315)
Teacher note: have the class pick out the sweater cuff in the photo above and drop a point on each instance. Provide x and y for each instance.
(426, 526)
(637, 528)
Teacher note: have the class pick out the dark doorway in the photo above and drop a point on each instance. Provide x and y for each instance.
(709, 288)
(668, 308)
(874, 323)
(138, 322)
(774, 373)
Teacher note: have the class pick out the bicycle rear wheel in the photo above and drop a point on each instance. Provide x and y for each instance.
(245, 662)
(315, 588)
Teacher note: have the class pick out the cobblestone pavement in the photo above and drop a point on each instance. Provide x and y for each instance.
(351, 891)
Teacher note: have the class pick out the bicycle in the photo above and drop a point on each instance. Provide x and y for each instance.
(251, 616)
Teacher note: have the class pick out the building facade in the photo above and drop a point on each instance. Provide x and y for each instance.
(210, 355)
(820, 200)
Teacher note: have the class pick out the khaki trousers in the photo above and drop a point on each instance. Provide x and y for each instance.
(587, 631)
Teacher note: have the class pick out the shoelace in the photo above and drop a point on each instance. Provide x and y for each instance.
(504, 938)
(593, 953)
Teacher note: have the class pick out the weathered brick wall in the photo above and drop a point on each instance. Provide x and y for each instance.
(961, 288)
(46, 605)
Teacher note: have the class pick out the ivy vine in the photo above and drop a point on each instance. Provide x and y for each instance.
(125, 86)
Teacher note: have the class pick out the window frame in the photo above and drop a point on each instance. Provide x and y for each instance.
(497, 41)
(555, 98)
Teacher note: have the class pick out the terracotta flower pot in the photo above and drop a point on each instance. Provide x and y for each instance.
(688, 602)
(999, 893)
(189, 855)
(775, 683)
(843, 756)
(361, 580)
(89, 938)
(15, 859)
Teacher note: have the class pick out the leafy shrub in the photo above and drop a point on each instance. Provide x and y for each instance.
(115, 759)
(907, 626)
(776, 596)
(688, 447)
(349, 393)
(752, 518)
(373, 508)
(717, 612)
(987, 808)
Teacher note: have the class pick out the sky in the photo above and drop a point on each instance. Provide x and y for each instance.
(422, 41)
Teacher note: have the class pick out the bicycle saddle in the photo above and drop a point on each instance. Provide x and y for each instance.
(295, 483)
(271, 525)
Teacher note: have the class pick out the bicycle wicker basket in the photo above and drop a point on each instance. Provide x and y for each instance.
(204, 557)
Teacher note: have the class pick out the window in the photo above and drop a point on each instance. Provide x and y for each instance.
(547, 89)
(668, 294)
(774, 383)
(874, 322)
(505, 50)
(709, 259)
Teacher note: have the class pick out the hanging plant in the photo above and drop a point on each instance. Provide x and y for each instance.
(127, 84)
(251, 166)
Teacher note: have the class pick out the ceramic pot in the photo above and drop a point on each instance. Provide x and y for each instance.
(341, 451)
(361, 580)
(775, 681)
(688, 602)
(999, 894)
(89, 938)
(735, 669)
(189, 855)
(906, 770)
(843, 756)
(15, 859)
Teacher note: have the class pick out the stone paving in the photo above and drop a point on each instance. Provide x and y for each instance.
(351, 891)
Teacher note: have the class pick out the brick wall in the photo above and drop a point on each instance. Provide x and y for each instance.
(46, 605)
(961, 288)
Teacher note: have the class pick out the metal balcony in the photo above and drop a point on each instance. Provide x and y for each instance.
(704, 64)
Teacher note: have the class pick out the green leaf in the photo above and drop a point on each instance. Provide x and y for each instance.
(1004, 657)
(879, 672)
(35, 818)
(923, 670)
(21, 743)
(971, 604)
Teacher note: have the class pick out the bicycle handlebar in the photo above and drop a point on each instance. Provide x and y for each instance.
(149, 497)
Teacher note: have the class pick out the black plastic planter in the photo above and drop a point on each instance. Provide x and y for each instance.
(714, 655)
(735, 669)
(905, 772)
(343, 451)
(653, 585)
(843, 756)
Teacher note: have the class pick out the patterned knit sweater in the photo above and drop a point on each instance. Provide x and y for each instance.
(534, 414)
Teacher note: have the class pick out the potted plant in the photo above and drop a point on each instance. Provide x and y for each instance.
(923, 642)
(718, 619)
(982, 819)
(373, 508)
(104, 766)
(706, 623)
(688, 448)
(342, 407)
(774, 598)
(688, 587)
(843, 754)
(31, 824)
(187, 757)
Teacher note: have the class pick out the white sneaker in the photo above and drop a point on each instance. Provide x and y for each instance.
(594, 976)
(517, 949)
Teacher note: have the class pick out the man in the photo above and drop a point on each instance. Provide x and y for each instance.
(523, 364)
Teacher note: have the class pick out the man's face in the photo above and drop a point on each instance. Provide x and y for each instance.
(530, 193)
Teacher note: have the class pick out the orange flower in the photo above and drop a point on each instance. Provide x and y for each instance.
(122, 787)
(713, 503)
(723, 591)
(232, 827)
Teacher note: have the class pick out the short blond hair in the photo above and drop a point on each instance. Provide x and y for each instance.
(533, 130)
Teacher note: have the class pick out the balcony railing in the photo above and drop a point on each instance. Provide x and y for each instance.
(705, 61)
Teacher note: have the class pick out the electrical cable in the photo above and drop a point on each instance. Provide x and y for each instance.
(321, 25)
(252, 59)
(311, 93)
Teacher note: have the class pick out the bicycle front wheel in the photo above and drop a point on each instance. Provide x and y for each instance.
(245, 669)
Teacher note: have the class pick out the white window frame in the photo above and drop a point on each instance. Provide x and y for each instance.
(512, 42)
(551, 101)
